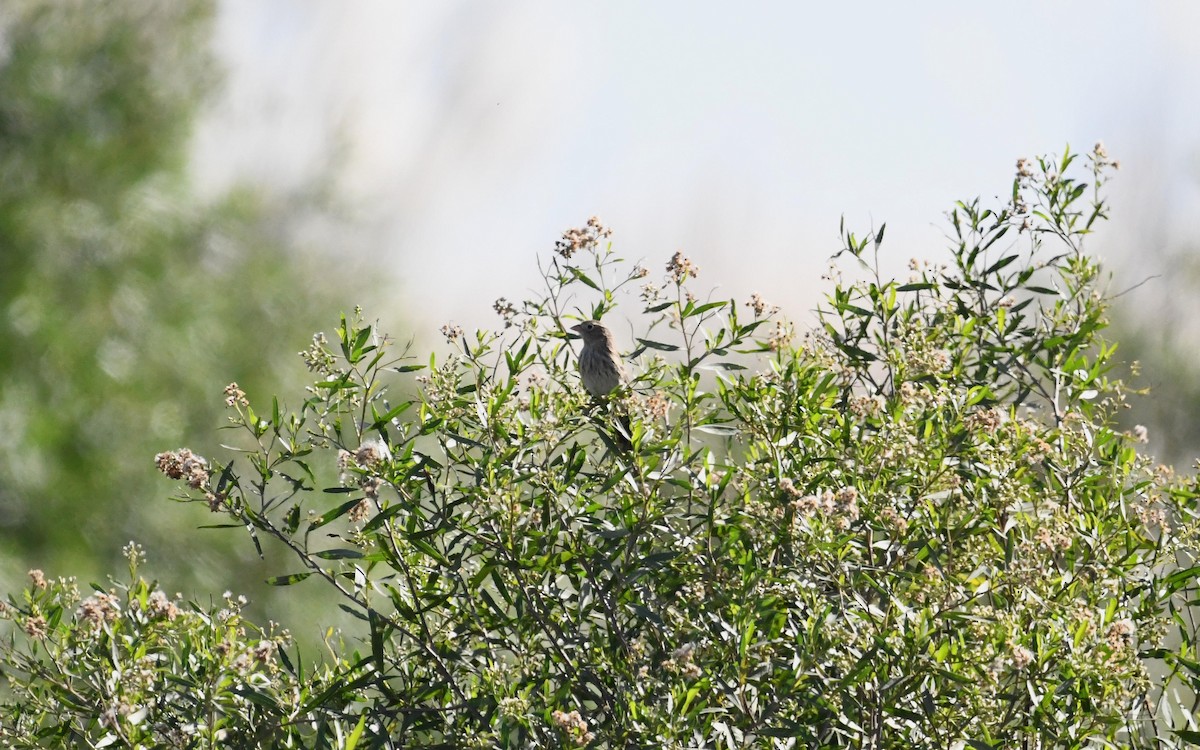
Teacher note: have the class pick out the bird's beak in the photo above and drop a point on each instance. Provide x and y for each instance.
(578, 328)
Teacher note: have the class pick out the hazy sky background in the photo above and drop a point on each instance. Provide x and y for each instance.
(468, 135)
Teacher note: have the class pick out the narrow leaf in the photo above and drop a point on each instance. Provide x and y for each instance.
(287, 580)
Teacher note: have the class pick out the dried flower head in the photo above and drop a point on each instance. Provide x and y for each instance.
(1036, 451)
(805, 505)
(1021, 656)
(505, 310)
(1120, 635)
(584, 238)
(263, 651)
(780, 337)
(657, 406)
(162, 607)
(985, 420)
(681, 268)
(359, 512)
(370, 486)
(235, 396)
(35, 627)
(215, 500)
(760, 306)
(99, 608)
(574, 726)
(372, 452)
(846, 502)
(183, 464)
(893, 519)
(867, 406)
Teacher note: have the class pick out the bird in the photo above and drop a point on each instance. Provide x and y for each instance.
(599, 363)
(601, 370)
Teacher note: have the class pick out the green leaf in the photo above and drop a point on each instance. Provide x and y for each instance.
(339, 554)
(360, 341)
(658, 346)
(705, 308)
(356, 734)
(1181, 579)
(1000, 264)
(287, 580)
(256, 697)
(383, 419)
(334, 514)
(382, 517)
(580, 275)
(377, 654)
(429, 550)
(292, 522)
(619, 533)
(717, 429)
(341, 384)
(460, 438)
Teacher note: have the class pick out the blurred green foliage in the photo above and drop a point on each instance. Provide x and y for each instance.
(1155, 322)
(128, 301)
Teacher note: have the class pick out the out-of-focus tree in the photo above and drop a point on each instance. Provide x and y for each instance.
(128, 302)
(1156, 316)
(1163, 348)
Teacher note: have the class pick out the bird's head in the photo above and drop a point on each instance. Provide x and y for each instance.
(591, 331)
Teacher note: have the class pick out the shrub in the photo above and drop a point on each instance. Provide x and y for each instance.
(131, 666)
(918, 527)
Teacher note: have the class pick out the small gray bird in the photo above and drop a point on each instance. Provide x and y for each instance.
(601, 371)
(599, 363)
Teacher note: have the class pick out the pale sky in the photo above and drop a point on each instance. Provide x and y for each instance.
(469, 135)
